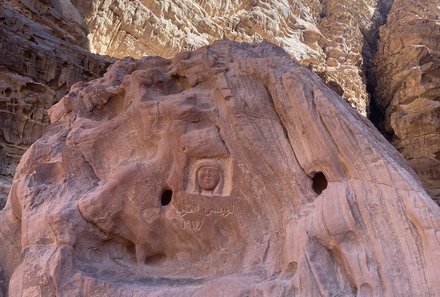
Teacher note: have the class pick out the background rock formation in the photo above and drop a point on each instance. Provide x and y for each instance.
(335, 38)
(43, 51)
(231, 171)
(408, 86)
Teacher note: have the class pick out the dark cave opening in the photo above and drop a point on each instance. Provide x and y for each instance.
(319, 182)
(166, 197)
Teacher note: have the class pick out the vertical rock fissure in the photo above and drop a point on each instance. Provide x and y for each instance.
(369, 51)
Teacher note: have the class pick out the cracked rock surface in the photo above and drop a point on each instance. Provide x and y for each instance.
(227, 171)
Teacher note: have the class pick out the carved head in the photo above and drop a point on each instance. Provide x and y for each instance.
(208, 177)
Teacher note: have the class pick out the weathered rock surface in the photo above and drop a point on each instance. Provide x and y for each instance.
(42, 53)
(332, 37)
(408, 86)
(336, 39)
(228, 171)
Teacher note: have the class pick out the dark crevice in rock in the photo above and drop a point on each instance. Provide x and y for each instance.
(377, 115)
(371, 41)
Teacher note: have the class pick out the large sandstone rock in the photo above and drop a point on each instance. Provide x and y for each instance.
(408, 86)
(229, 171)
(43, 51)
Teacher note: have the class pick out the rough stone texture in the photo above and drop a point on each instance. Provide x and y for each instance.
(335, 38)
(408, 86)
(42, 53)
(229, 171)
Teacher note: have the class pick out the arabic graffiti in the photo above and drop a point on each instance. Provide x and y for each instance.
(223, 211)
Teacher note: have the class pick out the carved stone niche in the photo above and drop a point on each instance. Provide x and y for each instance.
(228, 171)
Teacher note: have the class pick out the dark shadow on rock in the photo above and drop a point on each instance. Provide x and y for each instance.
(369, 49)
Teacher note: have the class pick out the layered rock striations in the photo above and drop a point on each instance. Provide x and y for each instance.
(228, 171)
(408, 86)
(43, 51)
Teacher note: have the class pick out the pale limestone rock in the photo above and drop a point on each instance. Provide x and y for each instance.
(228, 171)
(408, 86)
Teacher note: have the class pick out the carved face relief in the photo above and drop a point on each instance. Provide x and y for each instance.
(208, 177)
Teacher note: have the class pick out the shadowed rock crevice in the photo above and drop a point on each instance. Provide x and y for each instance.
(372, 39)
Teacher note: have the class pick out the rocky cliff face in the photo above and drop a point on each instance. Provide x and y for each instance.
(335, 38)
(230, 170)
(42, 53)
(408, 86)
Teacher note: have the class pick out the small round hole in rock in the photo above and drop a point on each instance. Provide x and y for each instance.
(165, 198)
(7, 92)
(319, 182)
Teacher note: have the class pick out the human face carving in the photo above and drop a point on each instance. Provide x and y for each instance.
(208, 177)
